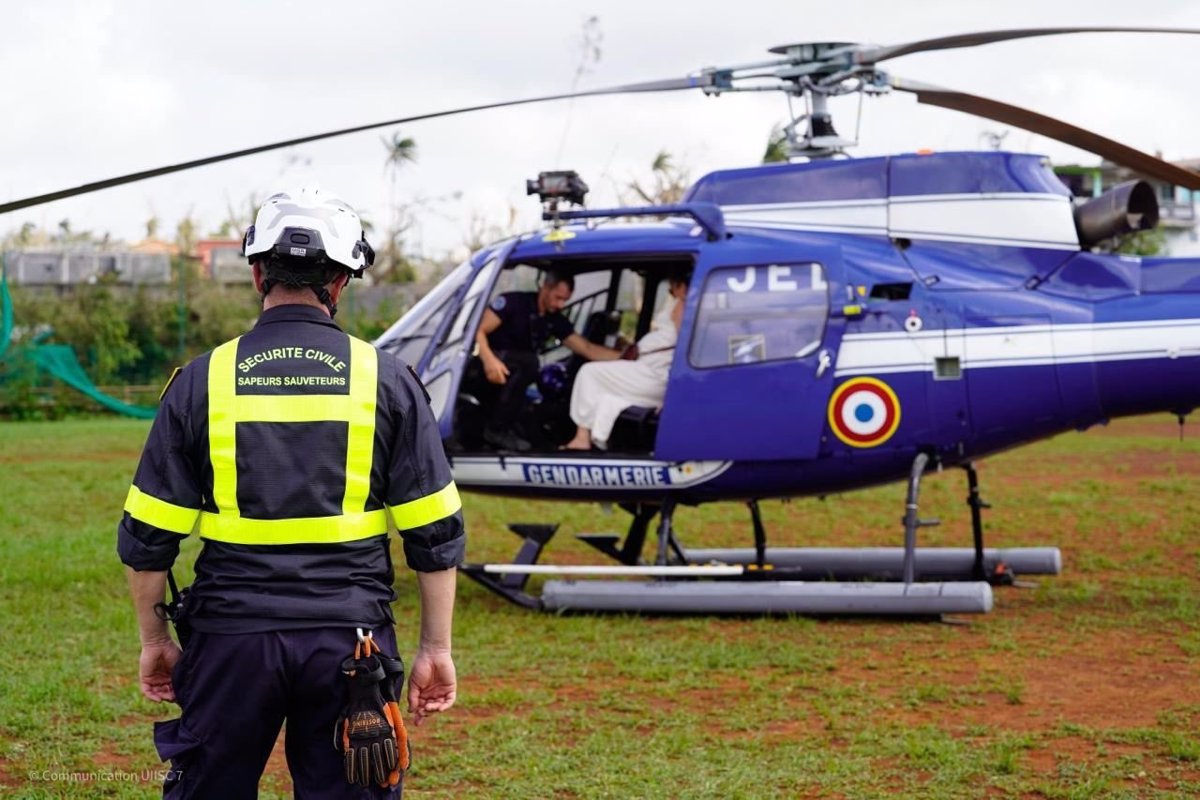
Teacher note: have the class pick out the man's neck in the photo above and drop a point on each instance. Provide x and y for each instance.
(303, 297)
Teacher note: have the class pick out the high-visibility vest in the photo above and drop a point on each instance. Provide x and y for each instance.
(226, 408)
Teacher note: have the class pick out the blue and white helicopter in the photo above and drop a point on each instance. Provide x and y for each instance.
(849, 322)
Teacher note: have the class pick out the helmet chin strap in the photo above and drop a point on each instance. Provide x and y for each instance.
(319, 290)
(323, 295)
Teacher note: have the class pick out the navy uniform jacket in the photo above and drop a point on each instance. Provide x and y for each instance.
(521, 327)
(318, 440)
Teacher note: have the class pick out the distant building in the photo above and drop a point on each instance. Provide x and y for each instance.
(155, 246)
(222, 260)
(1176, 205)
(61, 267)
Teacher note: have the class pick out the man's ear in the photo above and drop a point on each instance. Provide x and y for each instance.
(336, 285)
(257, 271)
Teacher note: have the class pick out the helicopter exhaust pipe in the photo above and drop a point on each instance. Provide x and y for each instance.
(1125, 208)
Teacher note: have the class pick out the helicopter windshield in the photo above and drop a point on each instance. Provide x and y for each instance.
(410, 336)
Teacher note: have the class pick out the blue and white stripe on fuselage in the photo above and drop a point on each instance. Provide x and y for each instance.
(1012, 219)
(1017, 346)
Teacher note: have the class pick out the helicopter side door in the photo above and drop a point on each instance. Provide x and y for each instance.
(753, 370)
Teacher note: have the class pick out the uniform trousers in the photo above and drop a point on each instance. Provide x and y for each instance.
(236, 690)
(522, 370)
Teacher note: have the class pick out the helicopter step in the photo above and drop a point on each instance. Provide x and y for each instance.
(887, 563)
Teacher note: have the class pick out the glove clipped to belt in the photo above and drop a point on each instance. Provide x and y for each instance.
(370, 732)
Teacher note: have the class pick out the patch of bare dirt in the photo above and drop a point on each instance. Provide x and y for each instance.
(7, 777)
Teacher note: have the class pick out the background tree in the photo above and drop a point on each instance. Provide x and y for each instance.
(392, 264)
(590, 39)
(777, 146)
(1141, 243)
(666, 185)
(185, 235)
(237, 221)
(481, 231)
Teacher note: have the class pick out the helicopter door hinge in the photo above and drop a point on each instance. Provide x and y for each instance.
(824, 362)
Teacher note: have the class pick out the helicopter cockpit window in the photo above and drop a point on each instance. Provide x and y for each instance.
(761, 313)
(457, 330)
(409, 337)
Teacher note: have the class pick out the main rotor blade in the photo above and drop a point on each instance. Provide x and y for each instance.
(878, 54)
(669, 85)
(1053, 128)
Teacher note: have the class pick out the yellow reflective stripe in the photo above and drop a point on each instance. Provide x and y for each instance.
(222, 436)
(226, 408)
(159, 513)
(291, 408)
(360, 435)
(304, 530)
(427, 509)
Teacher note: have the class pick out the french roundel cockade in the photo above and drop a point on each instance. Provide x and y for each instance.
(864, 412)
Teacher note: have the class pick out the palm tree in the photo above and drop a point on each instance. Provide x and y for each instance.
(777, 146)
(401, 150)
(669, 182)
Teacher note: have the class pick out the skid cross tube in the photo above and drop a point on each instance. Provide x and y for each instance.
(760, 535)
(977, 505)
(911, 520)
(666, 535)
(630, 552)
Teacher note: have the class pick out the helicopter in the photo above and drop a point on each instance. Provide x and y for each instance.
(849, 322)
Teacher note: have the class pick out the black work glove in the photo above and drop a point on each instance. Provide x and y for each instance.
(364, 733)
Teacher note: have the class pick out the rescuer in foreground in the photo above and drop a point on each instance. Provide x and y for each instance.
(288, 449)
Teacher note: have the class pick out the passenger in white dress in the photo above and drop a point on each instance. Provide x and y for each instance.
(604, 389)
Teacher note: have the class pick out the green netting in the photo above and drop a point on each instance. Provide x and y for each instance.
(6, 311)
(59, 361)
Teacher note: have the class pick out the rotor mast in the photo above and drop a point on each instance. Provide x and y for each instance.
(812, 72)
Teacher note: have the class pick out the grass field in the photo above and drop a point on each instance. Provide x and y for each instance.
(1085, 686)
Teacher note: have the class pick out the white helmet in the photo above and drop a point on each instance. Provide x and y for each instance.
(309, 229)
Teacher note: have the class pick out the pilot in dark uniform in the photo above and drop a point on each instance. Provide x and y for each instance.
(516, 327)
(288, 449)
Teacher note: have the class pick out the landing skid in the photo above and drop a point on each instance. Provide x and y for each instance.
(908, 581)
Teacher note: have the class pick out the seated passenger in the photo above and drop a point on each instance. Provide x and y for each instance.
(514, 330)
(603, 391)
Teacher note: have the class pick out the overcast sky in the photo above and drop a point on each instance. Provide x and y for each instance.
(94, 89)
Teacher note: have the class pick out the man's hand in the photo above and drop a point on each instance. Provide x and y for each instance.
(433, 684)
(155, 665)
(495, 370)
